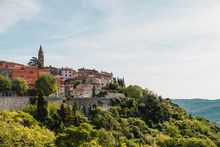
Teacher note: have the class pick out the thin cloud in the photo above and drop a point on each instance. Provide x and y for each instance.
(171, 46)
(12, 11)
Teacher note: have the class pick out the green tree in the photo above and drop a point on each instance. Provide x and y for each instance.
(187, 142)
(154, 109)
(93, 91)
(35, 62)
(66, 114)
(42, 111)
(121, 82)
(103, 119)
(5, 84)
(76, 136)
(171, 129)
(20, 86)
(46, 84)
(134, 91)
(22, 130)
(127, 107)
(106, 138)
(70, 116)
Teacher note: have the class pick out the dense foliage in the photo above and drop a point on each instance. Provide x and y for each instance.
(5, 84)
(21, 129)
(46, 84)
(141, 119)
(20, 86)
(35, 62)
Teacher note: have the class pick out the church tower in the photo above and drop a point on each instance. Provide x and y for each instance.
(41, 56)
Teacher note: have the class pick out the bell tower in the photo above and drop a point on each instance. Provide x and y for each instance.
(41, 56)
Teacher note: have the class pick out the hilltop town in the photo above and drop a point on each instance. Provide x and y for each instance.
(81, 83)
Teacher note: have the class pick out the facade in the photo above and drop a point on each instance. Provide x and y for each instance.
(105, 77)
(54, 71)
(96, 82)
(68, 73)
(14, 71)
(81, 91)
(9, 65)
(61, 86)
(29, 73)
(6, 73)
(81, 83)
(42, 71)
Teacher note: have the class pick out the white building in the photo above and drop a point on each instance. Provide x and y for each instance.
(68, 73)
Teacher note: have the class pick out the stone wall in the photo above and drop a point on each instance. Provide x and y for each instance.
(13, 103)
(55, 100)
(86, 104)
(115, 95)
(16, 103)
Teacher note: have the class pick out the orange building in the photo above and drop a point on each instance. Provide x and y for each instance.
(10, 65)
(29, 73)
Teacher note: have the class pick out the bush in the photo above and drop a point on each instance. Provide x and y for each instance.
(21, 129)
(33, 100)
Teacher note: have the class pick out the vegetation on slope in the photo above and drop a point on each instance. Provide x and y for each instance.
(140, 119)
(21, 129)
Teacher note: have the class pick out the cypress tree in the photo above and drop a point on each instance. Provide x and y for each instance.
(62, 112)
(42, 111)
(93, 91)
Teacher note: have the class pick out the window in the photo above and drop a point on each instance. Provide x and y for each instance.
(31, 72)
(21, 76)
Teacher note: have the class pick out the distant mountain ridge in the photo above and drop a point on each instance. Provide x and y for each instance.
(201, 107)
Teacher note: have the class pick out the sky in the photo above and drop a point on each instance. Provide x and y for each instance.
(169, 46)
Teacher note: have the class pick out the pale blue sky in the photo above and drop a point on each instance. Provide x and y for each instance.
(169, 46)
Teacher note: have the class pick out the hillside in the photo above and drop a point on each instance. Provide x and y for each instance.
(142, 118)
(201, 107)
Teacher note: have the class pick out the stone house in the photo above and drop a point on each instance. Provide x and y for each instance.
(68, 73)
(81, 91)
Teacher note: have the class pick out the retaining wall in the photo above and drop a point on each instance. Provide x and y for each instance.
(13, 103)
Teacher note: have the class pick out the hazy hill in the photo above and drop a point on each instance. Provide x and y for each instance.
(202, 107)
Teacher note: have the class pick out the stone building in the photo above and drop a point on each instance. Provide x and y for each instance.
(105, 77)
(54, 71)
(68, 73)
(82, 82)
(81, 91)
(61, 86)
(96, 82)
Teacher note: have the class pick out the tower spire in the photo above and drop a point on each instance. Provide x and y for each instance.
(41, 56)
